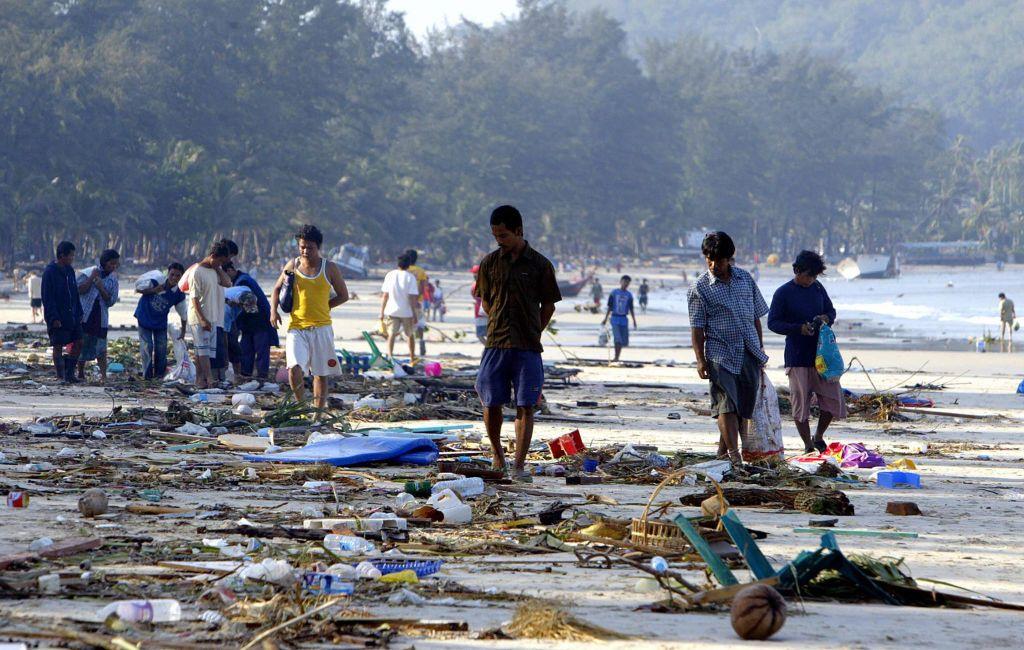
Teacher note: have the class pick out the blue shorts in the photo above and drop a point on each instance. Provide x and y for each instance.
(504, 369)
(620, 334)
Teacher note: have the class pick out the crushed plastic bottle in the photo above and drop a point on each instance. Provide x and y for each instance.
(348, 545)
(212, 616)
(406, 597)
(49, 584)
(278, 572)
(464, 487)
(247, 399)
(326, 584)
(164, 610)
(40, 544)
(404, 500)
(368, 571)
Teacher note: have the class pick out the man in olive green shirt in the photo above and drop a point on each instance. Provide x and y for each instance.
(518, 291)
(1007, 314)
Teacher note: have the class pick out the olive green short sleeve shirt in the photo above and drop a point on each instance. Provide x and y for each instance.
(514, 291)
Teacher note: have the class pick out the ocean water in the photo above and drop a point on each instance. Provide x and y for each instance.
(924, 302)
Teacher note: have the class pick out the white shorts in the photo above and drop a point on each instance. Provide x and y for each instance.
(312, 350)
(205, 341)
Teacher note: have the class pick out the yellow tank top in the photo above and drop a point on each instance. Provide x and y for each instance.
(310, 299)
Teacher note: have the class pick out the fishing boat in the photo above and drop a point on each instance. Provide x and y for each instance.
(354, 261)
(869, 267)
(570, 289)
(949, 253)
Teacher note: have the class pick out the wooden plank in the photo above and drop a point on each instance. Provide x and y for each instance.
(857, 533)
(139, 509)
(71, 546)
(243, 443)
(725, 594)
(947, 414)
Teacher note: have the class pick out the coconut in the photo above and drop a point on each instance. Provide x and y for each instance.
(758, 612)
(93, 503)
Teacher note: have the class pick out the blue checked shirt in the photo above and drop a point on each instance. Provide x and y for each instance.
(726, 312)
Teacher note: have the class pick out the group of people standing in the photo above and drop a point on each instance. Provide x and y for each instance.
(515, 291)
(76, 308)
(227, 313)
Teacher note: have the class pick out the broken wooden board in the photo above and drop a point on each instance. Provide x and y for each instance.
(240, 442)
(61, 548)
(138, 509)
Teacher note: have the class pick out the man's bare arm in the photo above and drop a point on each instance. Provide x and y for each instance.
(338, 282)
(275, 297)
(547, 310)
(697, 338)
(760, 335)
(205, 324)
(222, 277)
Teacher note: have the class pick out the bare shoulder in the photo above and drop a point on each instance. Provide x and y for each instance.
(333, 270)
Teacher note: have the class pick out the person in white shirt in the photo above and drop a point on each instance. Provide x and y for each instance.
(206, 308)
(35, 294)
(400, 305)
(437, 303)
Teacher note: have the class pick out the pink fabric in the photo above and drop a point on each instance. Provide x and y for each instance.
(847, 455)
(806, 386)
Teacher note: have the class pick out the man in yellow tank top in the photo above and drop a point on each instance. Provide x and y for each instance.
(310, 343)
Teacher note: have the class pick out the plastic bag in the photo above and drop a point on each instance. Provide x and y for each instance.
(602, 338)
(763, 437)
(183, 369)
(150, 279)
(828, 362)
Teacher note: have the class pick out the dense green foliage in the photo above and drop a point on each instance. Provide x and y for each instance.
(156, 126)
(963, 58)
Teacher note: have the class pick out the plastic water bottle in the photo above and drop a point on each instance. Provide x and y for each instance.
(659, 564)
(348, 544)
(404, 500)
(367, 570)
(165, 610)
(464, 487)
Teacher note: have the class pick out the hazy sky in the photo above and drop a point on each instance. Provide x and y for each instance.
(423, 14)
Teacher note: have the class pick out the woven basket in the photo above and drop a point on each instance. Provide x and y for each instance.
(665, 535)
(658, 534)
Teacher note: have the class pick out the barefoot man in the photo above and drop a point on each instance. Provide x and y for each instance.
(725, 310)
(518, 292)
(310, 344)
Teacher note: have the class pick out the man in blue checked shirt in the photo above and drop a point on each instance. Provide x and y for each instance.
(725, 310)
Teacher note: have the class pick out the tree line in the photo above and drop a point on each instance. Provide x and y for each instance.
(154, 127)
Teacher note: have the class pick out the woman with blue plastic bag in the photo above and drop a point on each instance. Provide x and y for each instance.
(801, 310)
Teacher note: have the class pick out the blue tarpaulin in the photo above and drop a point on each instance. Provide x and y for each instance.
(357, 450)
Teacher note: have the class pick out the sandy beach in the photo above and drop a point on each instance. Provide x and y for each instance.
(968, 534)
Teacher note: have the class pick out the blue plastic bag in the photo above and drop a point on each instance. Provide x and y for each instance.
(1020, 387)
(828, 362)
